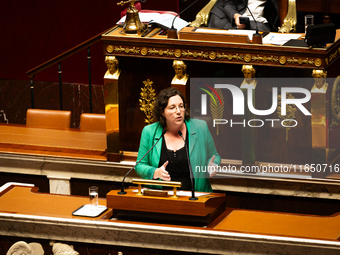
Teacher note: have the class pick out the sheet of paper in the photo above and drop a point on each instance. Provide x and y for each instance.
(165, 21)
(279, 38)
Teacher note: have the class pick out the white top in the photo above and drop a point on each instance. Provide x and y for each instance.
(257, 8)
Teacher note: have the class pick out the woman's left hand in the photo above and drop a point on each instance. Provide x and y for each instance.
(212, 167)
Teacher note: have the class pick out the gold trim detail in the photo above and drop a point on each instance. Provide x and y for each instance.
(144, 51)
(265, 59)
(178, 53)
(318, 62)
(148, 96)
(230, 56)
(195, 54)
(212, 55)
(335, 103)
(161, 52)
(121, 49)
(290, 113)
(282, 60)
(300, 61)
(334, 55)
(248, 58)
(109, 48)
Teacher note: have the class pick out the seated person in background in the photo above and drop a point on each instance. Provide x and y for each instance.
(226, 14)
(168, 159)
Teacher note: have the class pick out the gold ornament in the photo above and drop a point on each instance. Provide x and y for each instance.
(147, 100)
(109, 48)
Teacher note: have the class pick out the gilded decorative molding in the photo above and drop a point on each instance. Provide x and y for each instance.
(148, 96)
(335, 103)
(334, 55)
(212, 55)
(301, 61)
(195, 54)
(158, 52)
(120, 49)
(290, 113)
(230, 57)
(265, 59)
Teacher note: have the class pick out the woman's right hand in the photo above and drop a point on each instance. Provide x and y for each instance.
(161, 173)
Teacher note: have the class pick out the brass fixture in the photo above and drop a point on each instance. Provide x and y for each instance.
(132, 24)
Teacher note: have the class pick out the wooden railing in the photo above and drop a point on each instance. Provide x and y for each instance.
(57, 60)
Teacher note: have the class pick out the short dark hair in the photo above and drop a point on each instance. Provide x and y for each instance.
(161, 103)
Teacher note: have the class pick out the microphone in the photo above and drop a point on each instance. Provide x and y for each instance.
(190, 170)
(172, 32)
(257, 38)
(122, 192)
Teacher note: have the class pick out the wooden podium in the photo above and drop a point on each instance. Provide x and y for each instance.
(166, 209)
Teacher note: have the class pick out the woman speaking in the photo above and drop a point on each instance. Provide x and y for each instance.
(168, 159)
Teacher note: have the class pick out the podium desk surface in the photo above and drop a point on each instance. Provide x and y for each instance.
(54, 142)
(157, 46)
(25, 200)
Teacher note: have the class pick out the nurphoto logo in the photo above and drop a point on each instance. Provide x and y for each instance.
(243, 102)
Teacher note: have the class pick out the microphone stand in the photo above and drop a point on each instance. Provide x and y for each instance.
(172, 32)
(122, 192)
(190, 169)
(257, 37)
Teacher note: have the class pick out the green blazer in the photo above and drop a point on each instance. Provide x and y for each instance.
(201, 150)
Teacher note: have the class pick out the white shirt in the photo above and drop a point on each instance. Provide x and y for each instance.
(257, 8)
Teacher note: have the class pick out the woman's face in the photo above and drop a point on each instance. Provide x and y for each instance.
(174, 112)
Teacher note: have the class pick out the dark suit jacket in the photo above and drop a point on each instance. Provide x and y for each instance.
(222, 14)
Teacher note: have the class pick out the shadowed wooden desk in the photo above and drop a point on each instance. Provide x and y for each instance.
(54, 142)
(26, 212)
